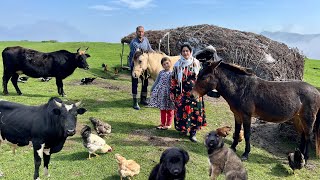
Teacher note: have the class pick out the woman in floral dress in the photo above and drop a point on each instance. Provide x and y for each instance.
(189, 114)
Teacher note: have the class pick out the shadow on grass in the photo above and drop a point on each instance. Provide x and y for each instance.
(110, 74)
(128, 127)
(31, 95)
(113, 177)
(76, 156)
(95, 105)
(280, 171)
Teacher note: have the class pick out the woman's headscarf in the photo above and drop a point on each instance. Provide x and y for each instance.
(183, 63)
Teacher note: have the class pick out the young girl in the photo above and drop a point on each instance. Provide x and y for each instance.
(160, 95)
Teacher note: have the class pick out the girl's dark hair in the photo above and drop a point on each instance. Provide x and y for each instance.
(186, 45)
(164, 59)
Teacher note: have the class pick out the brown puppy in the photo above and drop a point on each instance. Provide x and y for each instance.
(223, 159)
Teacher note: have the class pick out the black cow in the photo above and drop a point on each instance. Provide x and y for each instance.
(46, 126)
(60, 64)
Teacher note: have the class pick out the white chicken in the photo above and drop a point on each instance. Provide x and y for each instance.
(93, 142)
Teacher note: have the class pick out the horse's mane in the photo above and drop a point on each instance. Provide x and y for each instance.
(237, 69)
(139, 53)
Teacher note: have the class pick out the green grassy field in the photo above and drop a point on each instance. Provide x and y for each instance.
(133, 132)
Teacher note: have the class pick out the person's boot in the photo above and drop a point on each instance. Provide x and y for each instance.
(143, 99)
(135, 103)
(192, 137)
(213, 93)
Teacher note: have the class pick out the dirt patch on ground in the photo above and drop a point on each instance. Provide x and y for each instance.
(272, 136)
(146, 136)
(103, 83)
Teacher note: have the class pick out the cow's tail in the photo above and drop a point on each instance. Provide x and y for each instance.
(317, 133)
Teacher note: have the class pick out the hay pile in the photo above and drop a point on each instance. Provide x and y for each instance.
(269, 59)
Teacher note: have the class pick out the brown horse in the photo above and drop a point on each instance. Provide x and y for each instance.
(151, 62)
(250, 96)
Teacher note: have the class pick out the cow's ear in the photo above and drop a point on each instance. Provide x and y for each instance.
(81, 110)
(56, 111)
(88, 55)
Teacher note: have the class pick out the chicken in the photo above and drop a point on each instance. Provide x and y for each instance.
(104, 67)
(223, 131)
(101, 127)
(116, 71)
(45, 79)
(23, 79)
(87, 80)
(93, 142)
(13, 146)
(127, 168)
(296, 160)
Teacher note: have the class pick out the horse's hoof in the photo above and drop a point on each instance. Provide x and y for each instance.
(244, 158)
(233, 149)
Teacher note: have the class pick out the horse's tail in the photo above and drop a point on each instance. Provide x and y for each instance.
(317, 133)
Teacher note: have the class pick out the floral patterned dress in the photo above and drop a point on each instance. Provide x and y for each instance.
(189, 115)
(160, 96)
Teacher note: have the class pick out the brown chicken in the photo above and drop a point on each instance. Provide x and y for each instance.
(104, 67)
(101, 127)
(116, 71)
(93, 142)
(127, 168)
(223, 131)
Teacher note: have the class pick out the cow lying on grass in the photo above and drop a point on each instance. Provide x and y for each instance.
(46, 126)
(59, 64)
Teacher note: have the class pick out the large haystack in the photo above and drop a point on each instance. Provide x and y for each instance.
(269, 59)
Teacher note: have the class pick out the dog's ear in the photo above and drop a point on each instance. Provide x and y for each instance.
(185, 155)
(163, 156)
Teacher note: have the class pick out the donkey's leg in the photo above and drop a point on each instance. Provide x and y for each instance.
(236, 133)
(307, 122)
(302, 146)
(247, 133)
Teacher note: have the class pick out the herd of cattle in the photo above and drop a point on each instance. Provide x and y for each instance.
(46, 126)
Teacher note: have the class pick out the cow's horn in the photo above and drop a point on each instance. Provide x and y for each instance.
(77, 104)
(57, 103)
(86, 49)
(79, 49)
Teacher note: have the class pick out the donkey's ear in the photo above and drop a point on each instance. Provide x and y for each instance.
(215, 63)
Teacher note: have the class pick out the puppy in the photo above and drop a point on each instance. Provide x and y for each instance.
(223, 159)
(171, 166)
